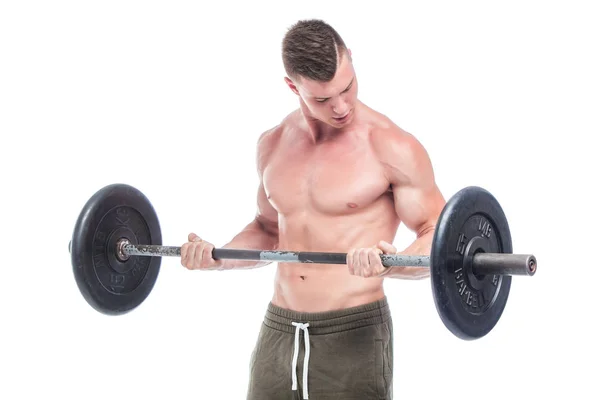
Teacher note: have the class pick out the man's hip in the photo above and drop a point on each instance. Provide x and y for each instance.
(337, 354)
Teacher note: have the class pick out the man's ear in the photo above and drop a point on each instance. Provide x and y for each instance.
(291, 85)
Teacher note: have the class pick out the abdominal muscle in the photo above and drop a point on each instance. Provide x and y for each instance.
(322, 288)
(308, 287)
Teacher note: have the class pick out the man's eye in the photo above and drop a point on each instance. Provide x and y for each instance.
(321, 101)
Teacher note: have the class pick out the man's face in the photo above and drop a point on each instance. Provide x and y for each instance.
(331, 102)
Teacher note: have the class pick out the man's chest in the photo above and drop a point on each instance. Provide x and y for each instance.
(331, 179)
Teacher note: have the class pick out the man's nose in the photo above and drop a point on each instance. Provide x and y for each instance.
(340, 107)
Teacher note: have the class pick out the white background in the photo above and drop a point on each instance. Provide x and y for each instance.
(171, 97)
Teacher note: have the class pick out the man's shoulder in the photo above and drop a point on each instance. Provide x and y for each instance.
(268, 140)
(393, 145)
(275, 131)
(384, 132)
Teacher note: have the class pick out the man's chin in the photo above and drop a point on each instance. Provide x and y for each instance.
(342, 121)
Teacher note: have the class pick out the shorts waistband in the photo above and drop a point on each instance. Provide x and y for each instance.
(373, 313)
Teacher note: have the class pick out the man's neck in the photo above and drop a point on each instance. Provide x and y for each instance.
(319, 131)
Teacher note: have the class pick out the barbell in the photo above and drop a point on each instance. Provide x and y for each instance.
(116, 251)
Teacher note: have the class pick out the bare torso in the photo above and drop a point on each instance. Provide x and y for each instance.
(330, 196)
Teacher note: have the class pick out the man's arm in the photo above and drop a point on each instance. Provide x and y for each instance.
(418, 200)
(260, 234)
(263, 232)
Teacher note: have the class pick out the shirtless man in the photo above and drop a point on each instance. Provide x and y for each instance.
(335, 176)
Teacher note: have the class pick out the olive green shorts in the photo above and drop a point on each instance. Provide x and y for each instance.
(341, 354)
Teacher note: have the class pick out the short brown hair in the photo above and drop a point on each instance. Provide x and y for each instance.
(312, 49)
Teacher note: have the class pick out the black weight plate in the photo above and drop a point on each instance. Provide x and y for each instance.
(472, 221)
(109, 285)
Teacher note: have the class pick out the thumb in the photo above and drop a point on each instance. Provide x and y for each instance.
(387, 247)
(192, 237)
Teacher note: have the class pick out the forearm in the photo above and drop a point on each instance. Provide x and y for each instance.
(421, 246)
(254, 236)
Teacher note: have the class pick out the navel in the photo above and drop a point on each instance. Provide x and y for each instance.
(352, 205)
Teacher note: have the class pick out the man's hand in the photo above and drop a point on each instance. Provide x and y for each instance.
(197, 254)
(366, 262)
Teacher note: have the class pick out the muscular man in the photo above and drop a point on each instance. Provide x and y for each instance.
(335, 176)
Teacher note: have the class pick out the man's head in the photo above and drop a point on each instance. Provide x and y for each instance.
(319, 69)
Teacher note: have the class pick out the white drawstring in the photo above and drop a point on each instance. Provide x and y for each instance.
(304, 327)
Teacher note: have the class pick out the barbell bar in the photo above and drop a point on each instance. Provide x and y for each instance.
(483, 263)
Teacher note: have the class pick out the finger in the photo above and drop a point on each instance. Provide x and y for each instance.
(192, 236)
(191, 260)
(199, 254)
(375, 262)
(350, 261)
(356, 263)
(184, 253)
(207, 259)
(371, 262)
(364, 262)
(191, 255)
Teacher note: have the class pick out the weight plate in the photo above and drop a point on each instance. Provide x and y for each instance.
(472, 221)
(108, 284)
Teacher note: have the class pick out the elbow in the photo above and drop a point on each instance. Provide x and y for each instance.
(270, 229)
(426, 229)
